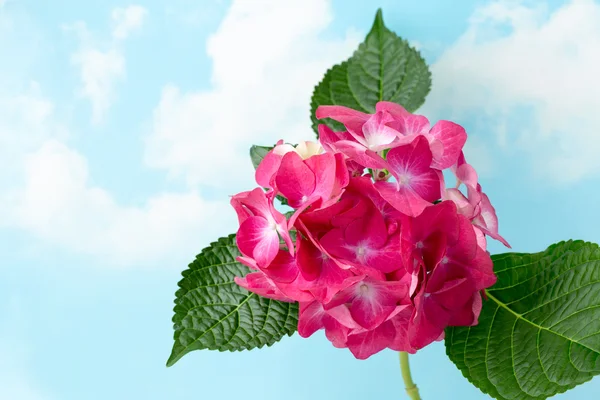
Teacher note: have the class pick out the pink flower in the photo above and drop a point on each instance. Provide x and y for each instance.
(303, 175)
(370, 301)
(476, 205)
(265, 173)
(389, 127)
(451, 268)
(322, 274)
(260, 226)
(376, 264)
(417, 184)
(360, 238)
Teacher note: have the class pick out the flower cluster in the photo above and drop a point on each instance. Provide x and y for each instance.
(378, 252)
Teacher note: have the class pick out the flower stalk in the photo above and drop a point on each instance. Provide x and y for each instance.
(411, 388)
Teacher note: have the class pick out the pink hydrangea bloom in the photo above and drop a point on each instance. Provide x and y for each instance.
(385, 261)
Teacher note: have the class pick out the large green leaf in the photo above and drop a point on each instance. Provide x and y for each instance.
(384, 67)
(212, 312)
(539, 330)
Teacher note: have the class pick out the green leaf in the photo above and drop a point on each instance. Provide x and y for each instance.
(212, 312)
(539, 330)
(384, 67)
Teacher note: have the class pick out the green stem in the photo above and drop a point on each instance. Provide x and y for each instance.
(411, 389)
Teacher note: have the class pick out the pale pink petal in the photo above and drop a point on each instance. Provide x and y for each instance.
(377, 134)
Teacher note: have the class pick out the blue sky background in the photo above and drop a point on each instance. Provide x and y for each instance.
(124, 126)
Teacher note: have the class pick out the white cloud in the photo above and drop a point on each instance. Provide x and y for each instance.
(127, 20)
(533, 78)
(262, 85)
(266, 61)
(102, 65)
(60, 204)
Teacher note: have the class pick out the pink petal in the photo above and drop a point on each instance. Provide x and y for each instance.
(411, 125)
(257, 282)
(395, 109)
(258, 239)
(249, 203)
(360, 154)
(453, 137)
(377, 135)
(352, 119)
(310, 318)
(371, 301)
(295, 180)
(364, 345)
(283, 268)
(310, 259)
(488, 220)
(328, 138)
(370, 228)
(401, 322)
(411, 159)
(267, 168)
(403, 199)
(342, 175)
(323, 167)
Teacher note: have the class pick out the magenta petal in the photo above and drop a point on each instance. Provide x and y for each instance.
(364, 345)
(256, 238)
(295, 180)
(370, 230)
(422, 331)
(310, 259)
(283, 268)
(371, 301)
(388, 258)
(335, 244)
(453, 137)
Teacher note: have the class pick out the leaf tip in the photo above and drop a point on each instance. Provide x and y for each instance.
(173, 358)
